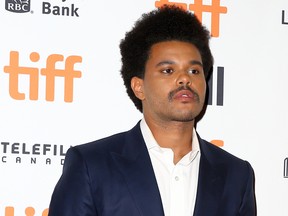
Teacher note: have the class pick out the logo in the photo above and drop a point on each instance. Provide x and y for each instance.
(17, 6)
(219, 87)
(24, 6)
(284, 21)
(37, 153)
(286, 168)
(29, 211)
(50, 72)
(219, 143)
(215, 9)
(219, 95)
(47, 8)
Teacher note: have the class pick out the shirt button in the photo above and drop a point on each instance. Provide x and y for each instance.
(176, 178)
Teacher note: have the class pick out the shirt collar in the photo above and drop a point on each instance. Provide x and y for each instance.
(151, 143)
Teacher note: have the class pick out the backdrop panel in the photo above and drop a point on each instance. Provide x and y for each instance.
(41, 118)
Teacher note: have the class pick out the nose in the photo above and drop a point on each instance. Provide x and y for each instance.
(184, 79)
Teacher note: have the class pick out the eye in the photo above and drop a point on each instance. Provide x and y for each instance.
(193, 71)
(167, 71)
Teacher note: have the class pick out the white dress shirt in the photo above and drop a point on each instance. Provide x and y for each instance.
(177, 183)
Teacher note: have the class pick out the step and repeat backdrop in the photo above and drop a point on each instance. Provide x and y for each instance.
(60, 86)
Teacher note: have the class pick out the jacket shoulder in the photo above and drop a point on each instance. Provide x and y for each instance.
(103, 145)
(217, 155)
(114, 143)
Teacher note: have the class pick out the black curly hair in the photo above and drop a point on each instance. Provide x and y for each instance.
(163, 24)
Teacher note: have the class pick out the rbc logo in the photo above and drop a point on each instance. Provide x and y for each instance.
(17, 6)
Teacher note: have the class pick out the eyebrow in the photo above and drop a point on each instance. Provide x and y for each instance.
(168, 62)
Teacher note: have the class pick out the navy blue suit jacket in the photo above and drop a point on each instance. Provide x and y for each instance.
(114, 177)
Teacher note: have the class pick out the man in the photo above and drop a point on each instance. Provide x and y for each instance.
(161, 166)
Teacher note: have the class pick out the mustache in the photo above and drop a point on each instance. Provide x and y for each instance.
(195, 94)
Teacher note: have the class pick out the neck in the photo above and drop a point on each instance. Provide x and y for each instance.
(174, 135)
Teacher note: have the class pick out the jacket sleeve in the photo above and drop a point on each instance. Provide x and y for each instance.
(248, 206)
(72, 194)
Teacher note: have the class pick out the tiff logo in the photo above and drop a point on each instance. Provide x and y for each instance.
(286, 168)
(219, 87)
(29, 211)
(50, 73)
(17, 6)
(215, 9)
(283, 18)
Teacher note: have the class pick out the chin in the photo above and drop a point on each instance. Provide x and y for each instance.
(183, 118)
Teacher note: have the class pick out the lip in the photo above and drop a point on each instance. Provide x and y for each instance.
(184, 95)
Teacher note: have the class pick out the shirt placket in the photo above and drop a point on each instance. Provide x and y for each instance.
(176, 192)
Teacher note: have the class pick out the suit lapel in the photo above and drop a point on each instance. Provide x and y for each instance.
(135, 165)
(210, 184)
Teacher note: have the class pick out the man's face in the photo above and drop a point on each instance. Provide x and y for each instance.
(173, 88)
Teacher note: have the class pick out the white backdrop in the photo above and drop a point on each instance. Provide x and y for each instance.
(35, 134)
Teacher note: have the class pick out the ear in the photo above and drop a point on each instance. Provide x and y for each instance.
(137, 87)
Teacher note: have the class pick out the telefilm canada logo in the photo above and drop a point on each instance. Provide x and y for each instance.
(18, 6)
(24, 153)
